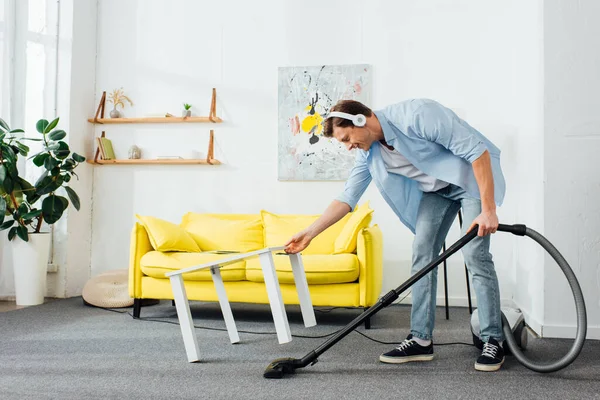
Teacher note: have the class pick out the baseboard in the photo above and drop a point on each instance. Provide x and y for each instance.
(569, 332)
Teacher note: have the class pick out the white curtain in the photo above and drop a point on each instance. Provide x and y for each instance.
(28, 70)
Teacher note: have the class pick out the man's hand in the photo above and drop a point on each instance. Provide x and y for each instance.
(487, 221)
(298, 242)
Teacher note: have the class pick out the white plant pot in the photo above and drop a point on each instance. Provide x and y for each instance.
(30, 265)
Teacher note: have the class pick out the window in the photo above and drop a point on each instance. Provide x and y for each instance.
(29, 51)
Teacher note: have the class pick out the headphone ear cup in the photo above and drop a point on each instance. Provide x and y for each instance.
(359, 120)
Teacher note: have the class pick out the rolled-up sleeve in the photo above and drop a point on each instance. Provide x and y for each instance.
(436, 123)
(357, 181)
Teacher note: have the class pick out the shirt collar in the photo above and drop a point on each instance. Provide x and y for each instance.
(388, 132)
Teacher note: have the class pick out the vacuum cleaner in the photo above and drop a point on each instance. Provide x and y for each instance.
(515, 327)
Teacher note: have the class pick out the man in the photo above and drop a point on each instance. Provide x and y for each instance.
(427, 163)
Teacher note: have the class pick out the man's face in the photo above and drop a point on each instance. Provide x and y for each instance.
(353, 137)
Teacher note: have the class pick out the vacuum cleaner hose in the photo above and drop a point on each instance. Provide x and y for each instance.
(579, 306)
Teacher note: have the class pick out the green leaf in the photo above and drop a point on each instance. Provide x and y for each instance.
(53, 207)
(57, 135)
(68, 166)
(23, 209)
(12, 170)
(8, 184)
(8, 154)
(64, 201)
(46, 185)
(7, 224)
(32, 139)
(67, 178)
(41, 126)
(50, 163)
(78, 158)
(22, 233)
(51, 126)
(23, 150)
(52, 147)
(2, 173)
(73, 196)
(40, 159)
(2, 209)
(63, 151)
(4, 125)
(12, 233)
(32, 214)
(17, 131)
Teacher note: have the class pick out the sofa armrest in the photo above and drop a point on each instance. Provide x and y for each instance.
(140, 245)
(369, 250)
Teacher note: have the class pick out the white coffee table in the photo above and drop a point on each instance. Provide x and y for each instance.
(273, 291)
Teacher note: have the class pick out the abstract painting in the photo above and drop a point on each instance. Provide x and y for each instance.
(306, 95)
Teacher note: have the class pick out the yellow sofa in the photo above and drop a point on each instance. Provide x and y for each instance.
(343, 264)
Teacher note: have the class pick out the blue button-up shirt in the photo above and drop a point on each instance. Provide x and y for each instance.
(436, 141)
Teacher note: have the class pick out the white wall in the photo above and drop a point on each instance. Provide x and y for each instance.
(572, 132)
(481, 58)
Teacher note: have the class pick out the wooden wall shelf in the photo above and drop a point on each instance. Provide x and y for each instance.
(156, 161)
(169, 119)
(154, 120)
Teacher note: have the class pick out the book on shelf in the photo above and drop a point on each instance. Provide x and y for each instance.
(100, 149)
(105, 148)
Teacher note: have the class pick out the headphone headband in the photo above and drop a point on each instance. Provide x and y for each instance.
(358, 119)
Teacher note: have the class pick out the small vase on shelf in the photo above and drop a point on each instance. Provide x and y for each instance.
(115, 113)
(187, 112)
(135, 152)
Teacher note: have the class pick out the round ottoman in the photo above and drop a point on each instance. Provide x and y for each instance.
(108, 290)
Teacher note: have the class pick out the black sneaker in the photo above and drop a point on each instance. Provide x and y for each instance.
(408, 351)
(491, 358)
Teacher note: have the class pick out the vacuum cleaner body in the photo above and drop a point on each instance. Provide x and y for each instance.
(516, 323)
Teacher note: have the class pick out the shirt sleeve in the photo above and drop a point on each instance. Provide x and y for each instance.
(438, 124)
(357, 181)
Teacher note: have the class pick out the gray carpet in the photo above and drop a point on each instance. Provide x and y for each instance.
(65, 350)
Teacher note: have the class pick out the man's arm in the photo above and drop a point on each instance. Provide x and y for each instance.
(487, 220)
(334, 212)
(355, 186)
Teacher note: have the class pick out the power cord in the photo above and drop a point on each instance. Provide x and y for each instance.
(275, 333)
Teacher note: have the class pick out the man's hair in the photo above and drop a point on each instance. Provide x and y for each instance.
(347, 106)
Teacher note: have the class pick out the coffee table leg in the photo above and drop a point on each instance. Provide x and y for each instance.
(274, 292)
(185, 319)
(225, 306)
(308, 313)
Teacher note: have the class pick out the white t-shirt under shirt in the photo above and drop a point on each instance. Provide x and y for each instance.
(396, 163)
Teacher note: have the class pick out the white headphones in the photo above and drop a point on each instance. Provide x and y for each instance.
(357, 120)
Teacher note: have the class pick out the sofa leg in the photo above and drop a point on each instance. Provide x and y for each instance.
(368, 320)
(137, 307)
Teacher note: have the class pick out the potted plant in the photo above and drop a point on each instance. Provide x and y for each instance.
(187, 112)
(117, 97)
(25, 207)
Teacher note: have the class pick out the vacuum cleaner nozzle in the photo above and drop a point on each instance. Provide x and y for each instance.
(278, 368)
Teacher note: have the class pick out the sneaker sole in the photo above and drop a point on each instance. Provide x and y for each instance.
(487, 367)
(402, 360)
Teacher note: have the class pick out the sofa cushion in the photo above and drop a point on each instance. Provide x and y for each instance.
(320, 269)
(359, 219)
(279, 229)
(240, 232)
(156, 264)
(167, 236)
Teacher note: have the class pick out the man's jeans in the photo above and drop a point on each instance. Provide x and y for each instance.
(437, 212)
